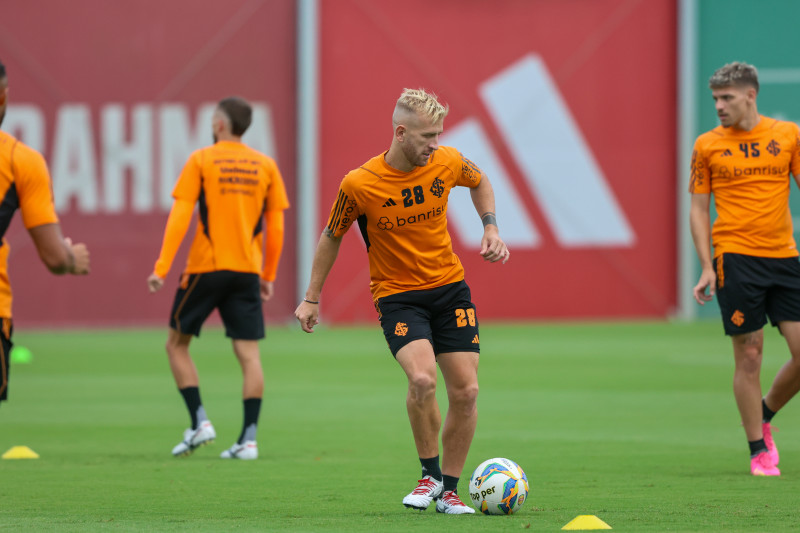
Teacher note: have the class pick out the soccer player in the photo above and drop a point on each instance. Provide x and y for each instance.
(25, 185)
(400, 201)
(754, 271)
(237, 189)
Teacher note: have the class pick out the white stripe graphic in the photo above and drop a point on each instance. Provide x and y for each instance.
(554, 158)
(516, 227)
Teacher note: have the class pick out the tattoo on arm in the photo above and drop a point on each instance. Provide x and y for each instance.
(488, 218)
(327, 232)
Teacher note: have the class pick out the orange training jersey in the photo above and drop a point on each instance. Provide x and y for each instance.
(234, 186)
(402, 217)
(748, 173)
(24, 185)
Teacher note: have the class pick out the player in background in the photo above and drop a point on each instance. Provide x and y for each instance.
(25, 185)
(400, 201)
(754, 271)
(237, 189)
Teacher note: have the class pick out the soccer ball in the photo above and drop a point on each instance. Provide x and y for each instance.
(498, 486)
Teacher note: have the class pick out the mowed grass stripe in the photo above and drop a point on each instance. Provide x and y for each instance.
(632, 422)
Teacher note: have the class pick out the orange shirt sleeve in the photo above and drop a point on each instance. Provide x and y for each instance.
(188, 185)
(180, 217)
(470, 175)
(272, 252)
(344, 211)
(700, 182)
(795, 163)
(33, 187)
(277, 199)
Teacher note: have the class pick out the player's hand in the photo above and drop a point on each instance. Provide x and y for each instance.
(267, 289)
(80, 256)
(154, 283)
(708, 280)
(493, 248)
(308, 315)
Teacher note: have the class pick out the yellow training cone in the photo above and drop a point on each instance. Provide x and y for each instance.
(20, 452)
(586, 521)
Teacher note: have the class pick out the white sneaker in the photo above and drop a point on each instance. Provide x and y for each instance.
(450, 503)
(248, 450)
(421, 497)
(194, 438)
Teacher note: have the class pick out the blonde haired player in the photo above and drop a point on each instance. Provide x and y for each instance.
(399, 199)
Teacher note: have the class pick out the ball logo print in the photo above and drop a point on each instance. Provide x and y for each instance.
(498, 486)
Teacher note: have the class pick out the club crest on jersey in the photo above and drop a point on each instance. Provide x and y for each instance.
(437, 188)
(401, 329)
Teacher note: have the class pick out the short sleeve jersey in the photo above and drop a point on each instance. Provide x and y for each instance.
(233, 185)
(403, 219)
(748, 173)
(24, 185)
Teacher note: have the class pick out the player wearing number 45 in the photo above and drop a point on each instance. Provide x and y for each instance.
(399, 199)
(745, 163)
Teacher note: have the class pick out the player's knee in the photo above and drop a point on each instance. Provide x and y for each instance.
(465, 397)
(422, 386)
(749, 361)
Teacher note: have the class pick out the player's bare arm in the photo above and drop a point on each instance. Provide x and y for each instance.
(307, 312)
(700, 224)
(493, 248)
(267, 289)
(59, 255)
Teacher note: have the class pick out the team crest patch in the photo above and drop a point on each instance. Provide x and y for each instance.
(737, 318)
(437, 188)
(401, 329)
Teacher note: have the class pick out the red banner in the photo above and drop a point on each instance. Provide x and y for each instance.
(569, 109)
(116, 95)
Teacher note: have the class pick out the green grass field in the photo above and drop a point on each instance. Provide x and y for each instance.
(634, 423)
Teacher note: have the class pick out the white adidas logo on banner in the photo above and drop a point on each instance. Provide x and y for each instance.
(555, 161)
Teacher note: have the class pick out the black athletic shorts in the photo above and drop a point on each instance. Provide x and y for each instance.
(750, 289)
(5, 358)
(237, 296)
(445, 316)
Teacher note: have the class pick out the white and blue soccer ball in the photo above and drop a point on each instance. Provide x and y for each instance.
(498, 486)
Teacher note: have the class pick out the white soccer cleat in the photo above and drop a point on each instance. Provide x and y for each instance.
(194, 438)
(421, 497)
(247, 450)
(450, 503)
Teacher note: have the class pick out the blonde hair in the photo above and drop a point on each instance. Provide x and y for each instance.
(421, 102)
(736, 74)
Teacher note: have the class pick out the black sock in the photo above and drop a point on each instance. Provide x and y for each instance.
(252, 408)
(430, 467)
(450, 483)
(767, 412)
(191, 395)
(757, 446)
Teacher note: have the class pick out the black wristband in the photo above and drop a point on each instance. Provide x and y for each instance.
(310, 302)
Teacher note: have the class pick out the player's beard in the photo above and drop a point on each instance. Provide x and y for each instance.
(214, 136)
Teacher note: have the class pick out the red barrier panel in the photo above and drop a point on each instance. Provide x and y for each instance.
(567, 106)
(116, 95)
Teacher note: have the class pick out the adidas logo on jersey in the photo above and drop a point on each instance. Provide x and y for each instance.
(389, 203)
(726, 153)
